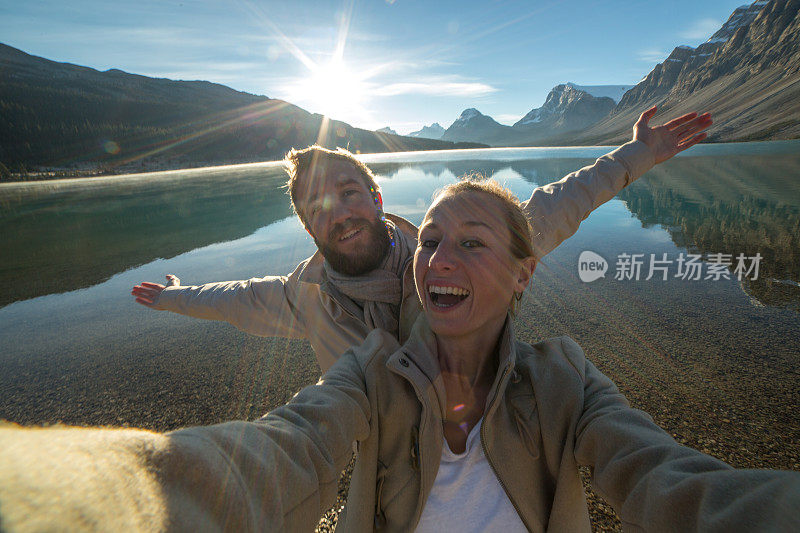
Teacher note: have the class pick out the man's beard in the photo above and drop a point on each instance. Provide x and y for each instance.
(363, 260)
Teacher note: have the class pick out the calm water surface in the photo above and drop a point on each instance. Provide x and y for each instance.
(73, 249)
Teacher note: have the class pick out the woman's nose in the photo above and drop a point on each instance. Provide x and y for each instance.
(444, 258)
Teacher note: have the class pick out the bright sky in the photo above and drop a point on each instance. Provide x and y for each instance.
(375, 63)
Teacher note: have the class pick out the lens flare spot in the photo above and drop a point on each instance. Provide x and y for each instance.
(458, 407)
(111, 147)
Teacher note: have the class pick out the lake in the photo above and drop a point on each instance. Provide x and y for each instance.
(714, 359)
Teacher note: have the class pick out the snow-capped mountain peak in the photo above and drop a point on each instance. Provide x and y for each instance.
(742, 16)
(614, 92)
(468, 114)
(434, 131)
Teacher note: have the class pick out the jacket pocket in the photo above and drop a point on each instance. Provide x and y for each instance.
(529, 431)
(380, 517)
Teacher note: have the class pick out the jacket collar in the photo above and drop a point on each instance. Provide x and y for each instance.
(313, 271)
(417, 360)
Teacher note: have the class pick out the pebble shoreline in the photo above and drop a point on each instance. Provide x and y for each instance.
(739, 409)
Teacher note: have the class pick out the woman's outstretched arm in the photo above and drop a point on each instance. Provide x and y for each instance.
(656, 484)
(279, 473)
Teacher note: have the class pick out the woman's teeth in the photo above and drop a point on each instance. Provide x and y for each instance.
(447, 296)
(458, 291)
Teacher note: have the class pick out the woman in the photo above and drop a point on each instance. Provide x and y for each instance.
(462, 427)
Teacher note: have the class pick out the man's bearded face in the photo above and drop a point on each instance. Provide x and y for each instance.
(343, 217)
(357, 260)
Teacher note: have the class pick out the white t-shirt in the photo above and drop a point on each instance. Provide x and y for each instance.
(467, 496)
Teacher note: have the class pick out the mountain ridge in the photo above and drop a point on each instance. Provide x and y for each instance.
(83, 120)
(747, 74)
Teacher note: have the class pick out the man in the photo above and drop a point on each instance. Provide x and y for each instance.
(360, 277)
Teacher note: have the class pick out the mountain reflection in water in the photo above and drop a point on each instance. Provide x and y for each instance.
(63, 236)
(716, 205)
(705, 358)
(59, 237)
(747, 204)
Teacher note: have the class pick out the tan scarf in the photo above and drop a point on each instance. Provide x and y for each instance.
(379, 292)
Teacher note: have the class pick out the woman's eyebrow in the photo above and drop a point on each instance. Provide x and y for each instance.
(429, 225)
(468, 223)
(473, 223)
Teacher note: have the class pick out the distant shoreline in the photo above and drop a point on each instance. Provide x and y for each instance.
(52, 174)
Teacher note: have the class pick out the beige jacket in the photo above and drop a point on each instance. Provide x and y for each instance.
(549, 410)
(302, 305)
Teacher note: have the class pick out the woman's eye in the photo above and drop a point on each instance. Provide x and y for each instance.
(471, 243)
(428, 243)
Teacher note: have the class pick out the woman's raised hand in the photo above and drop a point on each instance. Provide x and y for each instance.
(673, 137)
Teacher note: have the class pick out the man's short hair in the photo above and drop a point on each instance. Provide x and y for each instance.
(299, 162)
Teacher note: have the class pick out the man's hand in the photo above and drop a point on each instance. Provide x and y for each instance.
(147, 293)
(675, 136)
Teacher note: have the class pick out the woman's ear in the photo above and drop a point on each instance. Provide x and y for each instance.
(526, 268)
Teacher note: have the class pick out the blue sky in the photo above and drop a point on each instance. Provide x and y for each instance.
(371, 63)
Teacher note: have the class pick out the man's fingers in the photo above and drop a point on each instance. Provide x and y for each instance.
(645, 117)
(141, 289)
(674, 123)
(150, 285)
(691, 142)
(693, 126)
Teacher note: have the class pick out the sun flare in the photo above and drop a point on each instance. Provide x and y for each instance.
(334, 90)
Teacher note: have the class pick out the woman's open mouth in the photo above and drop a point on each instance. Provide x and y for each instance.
(446, 296)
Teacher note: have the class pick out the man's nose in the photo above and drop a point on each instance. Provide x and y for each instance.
(339, 211)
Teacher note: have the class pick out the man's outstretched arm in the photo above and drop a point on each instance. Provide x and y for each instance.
(260, 306)
(148, 293)
(556, 210)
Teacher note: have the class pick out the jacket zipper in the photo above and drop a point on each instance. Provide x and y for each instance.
(488, 460)
(423, 418)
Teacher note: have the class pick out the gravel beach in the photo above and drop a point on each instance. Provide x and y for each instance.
(723, 394)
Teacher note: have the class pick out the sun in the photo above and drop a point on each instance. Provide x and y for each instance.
(334, 90)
